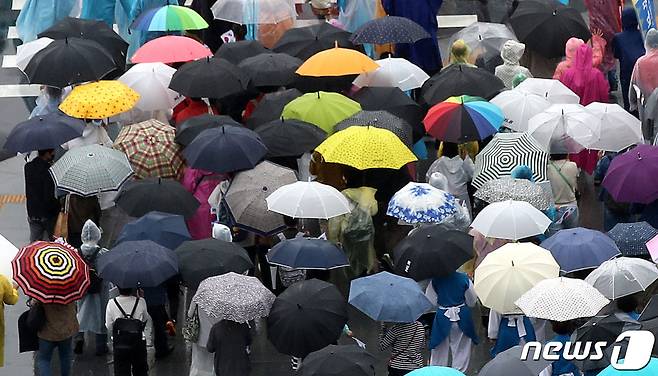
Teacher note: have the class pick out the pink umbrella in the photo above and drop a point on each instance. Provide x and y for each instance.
(171, 49)
(652, 246)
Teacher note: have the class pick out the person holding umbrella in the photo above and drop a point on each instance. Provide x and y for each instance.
(407, 342)
(42, 206)
(38, 15)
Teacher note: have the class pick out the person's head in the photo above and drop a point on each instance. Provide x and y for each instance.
(47, 154)
(90, 236)
(563, 328)
(126, 291)
(584, 57)
(438, 181)
(559, 157)
(629, 19)
(520, 77)
(571, 47)
(651, 40)
(627, 304)
(221, 232)
(459, 52)
(522, 172)
(449, 149)
(512, 52)
(290, 221)
(53, 92)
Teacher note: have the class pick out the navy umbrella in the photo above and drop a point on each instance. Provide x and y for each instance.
(290, 137)
(307, 253)
(200, 259)
(168, 230)
(631, 238)
(44, 132)
(187, 131)
(580, 248)
(389, 29)
(270, 107)
(460, 79)
(141, 263)
(139, 197)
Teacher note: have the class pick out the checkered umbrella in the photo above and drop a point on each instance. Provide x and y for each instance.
(151, 149)
(51, 272)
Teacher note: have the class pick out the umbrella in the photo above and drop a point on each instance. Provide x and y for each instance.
(504, 189)
(509, 272)
(552, 90)
(564, 128)
(99, 100)
(321, 109)
(631, 176)
(271, 69)
(650, 311)
(209, 78)
(366, 147)
(463, 119)
(389, 297)
(306, 317)
(169, 18)
(304, 42)
(241, 50)
(253, 12)
(225, 149)
(26, 51)
(90, 170)
(631, 238)
(484, 39)
(649, 369)
(43, 132)
(545, 26)
(346, 360)
(337, 62)
(618, 128)
(393, 72)
(69, 61)
(7, 253)
(562, 299)
(580, 249)
(187, 131)
(432, 251)
(389, 29)
(200, 259)
(506, 151)
(139, 197)
(247, 193)
(460, 79)
(510, 219)
(623, 276)
(289, 138)
(51, 272)
(509, 362)
(308, 200)
(170, 49)
(435, 371)
(168, 230)
(151, 149)
(270, 107)
(233, 297)
(518, 107)
(380, 119)
(156, 264)
(396, 102)
(421, 203)
(307, 253)
(151, 82)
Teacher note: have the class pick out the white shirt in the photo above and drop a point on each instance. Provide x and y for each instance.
(112, 313)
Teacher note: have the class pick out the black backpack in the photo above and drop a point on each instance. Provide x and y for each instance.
(127, 330)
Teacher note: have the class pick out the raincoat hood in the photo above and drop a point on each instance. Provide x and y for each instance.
(363, 197)
(438, 181)
(459, 52)
(91, 235)
(512, 52)
(522, 172)
(651, 40)
(583, 59)
(221, 232)
(629, 19)
(571, 47)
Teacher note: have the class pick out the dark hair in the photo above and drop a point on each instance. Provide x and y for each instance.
(450, 149)
(290, 221)
(565, 327)
(53, 92)
(627, 304)
(127, 291)
(559, 157)
(43, 152)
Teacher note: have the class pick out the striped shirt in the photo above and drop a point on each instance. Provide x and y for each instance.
(407, 342)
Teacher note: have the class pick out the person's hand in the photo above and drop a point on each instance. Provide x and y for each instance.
(597, 32)
(349, 334)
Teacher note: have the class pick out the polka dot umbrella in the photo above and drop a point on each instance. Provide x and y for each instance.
(99, 100)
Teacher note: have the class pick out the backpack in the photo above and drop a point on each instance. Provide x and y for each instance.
(359, 226)
(127, 330)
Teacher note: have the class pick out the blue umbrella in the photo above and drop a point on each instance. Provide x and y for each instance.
(389, 297)
(307, 253)
(43, 132)
(141, 263)
(631, 238)
(389, 29)
(580, 248)
(651, 369)
(168, 230)
(435, 371)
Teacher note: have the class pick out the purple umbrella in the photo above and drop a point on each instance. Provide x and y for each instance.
(632, 176)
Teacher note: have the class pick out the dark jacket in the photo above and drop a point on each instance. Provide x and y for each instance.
(229, 341)
(80, 210)
(628, 45)
(40, 190)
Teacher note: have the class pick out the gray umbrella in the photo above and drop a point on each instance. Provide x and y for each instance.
(484, 39)
(380, 119)
(514, 189)
(509, 363)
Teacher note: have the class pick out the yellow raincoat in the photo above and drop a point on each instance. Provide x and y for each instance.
(9, 296)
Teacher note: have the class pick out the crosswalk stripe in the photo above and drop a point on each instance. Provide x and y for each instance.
(17, 4)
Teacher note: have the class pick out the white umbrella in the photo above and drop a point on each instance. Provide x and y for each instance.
(7, 253)
(393, 72)
(518, 107)
(252, 12)
(623, 276)
(553, 90)
(562, 299)
(151, 81)
(564, 128)
(308, 200)
(25, 52)
(512, 220)
(618, 129)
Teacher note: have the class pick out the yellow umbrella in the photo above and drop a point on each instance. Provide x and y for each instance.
(366, 147)
(99, 100)
(337, 62)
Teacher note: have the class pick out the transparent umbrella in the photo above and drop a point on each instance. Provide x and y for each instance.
(485, 39)
(252, 12)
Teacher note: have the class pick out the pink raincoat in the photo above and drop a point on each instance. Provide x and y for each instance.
(201, 184)
(645, 72)
(569, 53)
(605, 16)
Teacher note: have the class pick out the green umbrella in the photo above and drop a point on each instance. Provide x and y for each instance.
(322, 109)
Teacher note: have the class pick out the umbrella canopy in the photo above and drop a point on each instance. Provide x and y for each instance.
(564, 128)
(169, 18)
(51, 272)
(322, 109)
(460, 79)
(484, 39)
(271, 69)
(7, 253)
(209, 78)
(393, 72)
(580, 249)
(241, 50)
(389, 297)
(26, 51)
(170, 49)
(187, 131)
(233, 297)
(630, 177)
(650, 311)
(421, 203)
(506, 151)
(151, 149)
(308, 200)
(510, 219)
(345, 360)
(201, 259)
(509, 362)
(337, 62)
(99, 100)
(43, 132)
(248, 191)
(140, 197)
(225, 149)
(618, 129)
(507, 188)
(435, 371)
(306, 317)
(290, 138)
(553, 91)
(307, 253)
(631, 238)
(253, 12)
(168, 230)
(463, 119)
(151, 82)
(396, 102)
(623, 276)
(156, 264)
(389, 29)
(380, 119)
(304, 42)
(648, 370)
(509, 272)
(518, 107)
(270, 107)
(432, 251)
(562, 299)
(90, 170)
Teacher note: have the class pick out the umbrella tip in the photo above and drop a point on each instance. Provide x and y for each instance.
(639, 156)
(318, 95)
(335, 44)
(512, 263)
(299, 306)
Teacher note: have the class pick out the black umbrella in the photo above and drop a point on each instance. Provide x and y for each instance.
(545, 26)
(310, 84)
(432, 251)
(187, 131)
(270, 107)
(509, 362)
(333, 360)
(389, 29)
(460, 79)
(142, 263)
(209, 78)
(290, 138)
(306, 317)
(380, 119)
(139, 197)
(200, 259)
(43, 132)
(239, 51)
(69, 61)
(649, 319)
(304, 42)
(271, 69)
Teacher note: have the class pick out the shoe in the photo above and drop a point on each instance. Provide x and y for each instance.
(165, 354)
(171, 328)
(79, 346)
